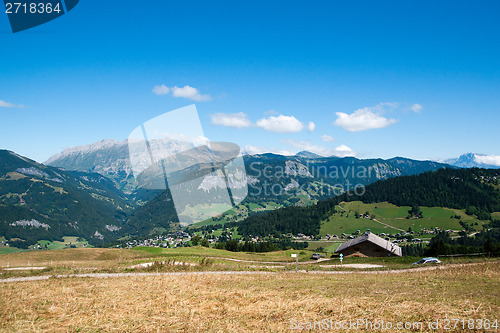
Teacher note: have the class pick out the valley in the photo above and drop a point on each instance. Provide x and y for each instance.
(35, 197)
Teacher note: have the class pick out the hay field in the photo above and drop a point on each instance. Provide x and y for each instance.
(272, 302)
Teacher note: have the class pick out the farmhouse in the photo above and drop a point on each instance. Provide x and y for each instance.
(369, 245)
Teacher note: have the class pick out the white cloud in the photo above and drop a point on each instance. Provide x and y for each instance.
(4, 104)
(344, 151)
(392, 105)
(161, 90)
(311, 126)
(190, 93)
(238, 120)
(416, 108)
(488, 159)
(281, 124)
(364, 119)
(307, 146)
(271, 113)
(184, 92)
(327, 138)
(340, 151)
(254, 150)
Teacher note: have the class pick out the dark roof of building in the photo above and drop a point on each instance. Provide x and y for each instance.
(369, 237)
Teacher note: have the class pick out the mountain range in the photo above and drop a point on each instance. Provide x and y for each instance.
(90, 191)
(306, 172)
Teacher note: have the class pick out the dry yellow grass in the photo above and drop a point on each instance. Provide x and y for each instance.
(244, 303)
(85, 257)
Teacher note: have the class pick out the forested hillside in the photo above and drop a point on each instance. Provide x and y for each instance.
(44, 203)
(475, 190)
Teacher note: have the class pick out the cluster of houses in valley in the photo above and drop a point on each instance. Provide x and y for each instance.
(178, 239)
(355, 245)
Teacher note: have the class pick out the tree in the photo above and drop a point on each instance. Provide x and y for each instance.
(471, 210)
(415, 211)
(489, 246)
(196, 240)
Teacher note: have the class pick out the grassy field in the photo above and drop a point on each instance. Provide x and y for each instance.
(244, 303)
(237, 213)
(240, 212)
(328, 246)
(392, 218)
(97, 260)
(193, 259)
(5, 250)
(99, 257)
(67, 242)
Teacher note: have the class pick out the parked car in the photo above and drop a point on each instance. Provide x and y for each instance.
(315, 256)
(430, 260)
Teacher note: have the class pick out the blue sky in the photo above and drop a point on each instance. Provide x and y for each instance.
(377, 79)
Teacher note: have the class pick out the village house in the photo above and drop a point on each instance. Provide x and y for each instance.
(369, 245)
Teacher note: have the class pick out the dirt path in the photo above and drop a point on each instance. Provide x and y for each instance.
(345, 210)
(30, 268)
(387, 225)
(115, 275)
(272, 262)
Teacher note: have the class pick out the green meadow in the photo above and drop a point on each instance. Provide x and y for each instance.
(389, 218)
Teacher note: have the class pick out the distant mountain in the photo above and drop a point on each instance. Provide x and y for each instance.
(90, 191)
(277, 177)
(108, 157)
(307, 154)
(40, 202)
(270, 176)
(472, 160)
(285, 180)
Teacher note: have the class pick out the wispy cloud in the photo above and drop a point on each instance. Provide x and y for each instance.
(365, 118)
(416, 108)
(311, 126)
(271, 113)
(183, 92)
(161, 90)
(4, 104)
(281, 124)
(327, 138)
(255, 150)
(238, 120)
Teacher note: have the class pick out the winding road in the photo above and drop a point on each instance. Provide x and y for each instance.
(117, 275)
